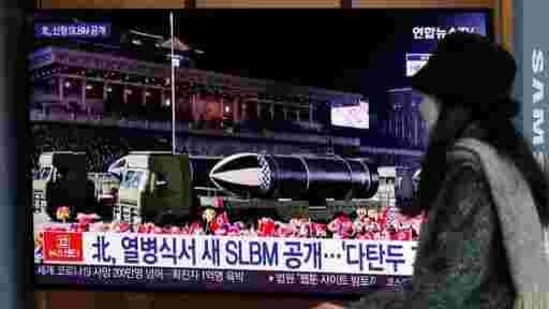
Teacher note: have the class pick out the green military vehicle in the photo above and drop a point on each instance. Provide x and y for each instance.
(154, 187)
(61, 180)
(168, 189)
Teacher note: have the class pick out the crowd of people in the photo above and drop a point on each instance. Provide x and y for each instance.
(104, 145)
(101, 146)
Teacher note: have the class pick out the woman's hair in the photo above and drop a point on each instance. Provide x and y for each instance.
(496, 128)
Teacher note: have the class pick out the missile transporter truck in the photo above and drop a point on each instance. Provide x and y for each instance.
(168, 189)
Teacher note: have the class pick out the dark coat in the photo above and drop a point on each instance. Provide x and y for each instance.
(461, 260)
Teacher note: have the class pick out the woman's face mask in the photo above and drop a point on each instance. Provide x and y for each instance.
(429, 109)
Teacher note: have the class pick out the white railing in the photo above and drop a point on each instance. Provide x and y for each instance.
(394, 151)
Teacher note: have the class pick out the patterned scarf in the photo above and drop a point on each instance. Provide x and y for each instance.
(526, 240)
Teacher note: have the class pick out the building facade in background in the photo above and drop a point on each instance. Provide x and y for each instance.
(217, 114)
(404, 121)
(86, 84)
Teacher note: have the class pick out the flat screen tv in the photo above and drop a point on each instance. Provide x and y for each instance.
(250, 151)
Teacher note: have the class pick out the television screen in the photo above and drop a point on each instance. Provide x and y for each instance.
(252, 151)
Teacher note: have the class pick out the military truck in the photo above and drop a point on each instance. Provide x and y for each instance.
(159, 187)
(61, 180)
(167, 189)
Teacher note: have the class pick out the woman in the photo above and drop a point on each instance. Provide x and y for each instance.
(485, 196)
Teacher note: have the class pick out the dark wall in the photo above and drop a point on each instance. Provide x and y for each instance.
(117, 300)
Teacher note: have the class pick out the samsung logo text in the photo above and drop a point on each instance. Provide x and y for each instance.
(538, 96)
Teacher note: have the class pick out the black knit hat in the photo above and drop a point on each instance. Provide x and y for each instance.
(467, 69)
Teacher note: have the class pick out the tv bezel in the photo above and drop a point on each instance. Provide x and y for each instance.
(30, 271)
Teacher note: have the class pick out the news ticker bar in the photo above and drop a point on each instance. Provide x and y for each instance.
(207, 279)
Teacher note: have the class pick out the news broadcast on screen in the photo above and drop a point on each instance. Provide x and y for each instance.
(168, 153)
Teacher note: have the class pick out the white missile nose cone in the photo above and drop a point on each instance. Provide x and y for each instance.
(245, 177)
(239, 170)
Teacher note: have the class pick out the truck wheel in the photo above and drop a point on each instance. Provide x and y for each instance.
(104, 210)
(166, 218)
(149, 216)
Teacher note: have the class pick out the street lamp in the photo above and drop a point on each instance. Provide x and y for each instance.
(175, 61)
(138, 38)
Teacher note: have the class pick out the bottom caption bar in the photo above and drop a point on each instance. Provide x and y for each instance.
(205, 279)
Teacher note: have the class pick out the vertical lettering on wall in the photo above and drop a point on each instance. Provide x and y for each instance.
(531, 50)
(538, 96)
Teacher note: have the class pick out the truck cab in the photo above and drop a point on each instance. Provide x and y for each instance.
(61, 180)
(154, 187)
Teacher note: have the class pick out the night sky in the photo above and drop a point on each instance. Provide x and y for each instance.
(350, 50)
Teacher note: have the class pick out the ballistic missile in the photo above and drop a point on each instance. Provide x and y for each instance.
(295, 176)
